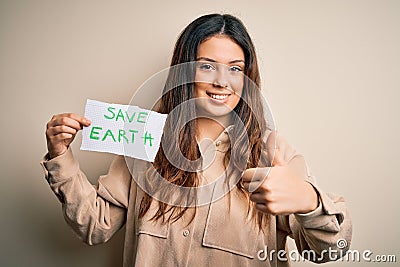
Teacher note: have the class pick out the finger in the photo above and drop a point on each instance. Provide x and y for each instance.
(253, 178)
(75, 117)
(61, 129)
(68, 121)
(275, 149)
(82, 120)
(252, 186)
(65, 121)
(258, 197)
(255, 174)
(261, 207)
(62, 136)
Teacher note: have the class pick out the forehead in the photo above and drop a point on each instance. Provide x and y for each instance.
(221, 49)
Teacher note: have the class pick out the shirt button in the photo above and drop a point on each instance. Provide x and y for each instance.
(186, 233)
(218, 143)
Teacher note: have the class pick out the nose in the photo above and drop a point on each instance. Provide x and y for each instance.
(221, 79)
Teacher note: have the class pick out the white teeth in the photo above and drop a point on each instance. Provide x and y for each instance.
(219, 97)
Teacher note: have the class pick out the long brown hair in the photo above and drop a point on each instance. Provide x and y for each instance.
(247, 145)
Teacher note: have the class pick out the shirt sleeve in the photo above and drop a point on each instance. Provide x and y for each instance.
(95, 213)
(325, 231)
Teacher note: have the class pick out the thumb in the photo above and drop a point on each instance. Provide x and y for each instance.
(275, 153)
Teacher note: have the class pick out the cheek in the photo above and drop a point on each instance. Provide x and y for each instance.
(237, 96)
(200, 89)
(238, 90)
(236, 100)
(237, 84)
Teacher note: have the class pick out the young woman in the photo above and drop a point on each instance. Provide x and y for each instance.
(261, 190)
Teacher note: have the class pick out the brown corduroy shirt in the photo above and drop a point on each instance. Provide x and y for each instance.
(217, 236)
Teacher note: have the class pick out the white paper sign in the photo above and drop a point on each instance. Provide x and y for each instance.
(122, 130)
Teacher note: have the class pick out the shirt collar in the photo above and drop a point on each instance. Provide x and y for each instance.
(221, 143)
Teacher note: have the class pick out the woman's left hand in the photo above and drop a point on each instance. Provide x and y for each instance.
(280, 190)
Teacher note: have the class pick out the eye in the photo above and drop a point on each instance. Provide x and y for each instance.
(206, 66)
(235, 68)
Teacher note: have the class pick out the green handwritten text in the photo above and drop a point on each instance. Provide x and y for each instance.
(125, 116)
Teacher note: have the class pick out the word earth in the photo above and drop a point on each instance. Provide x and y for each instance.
(97, 133)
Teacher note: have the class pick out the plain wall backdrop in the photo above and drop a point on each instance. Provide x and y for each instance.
(330, 71)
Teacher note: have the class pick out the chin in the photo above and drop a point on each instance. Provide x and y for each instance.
(207, 109)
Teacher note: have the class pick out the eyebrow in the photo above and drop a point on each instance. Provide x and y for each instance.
(213, 60)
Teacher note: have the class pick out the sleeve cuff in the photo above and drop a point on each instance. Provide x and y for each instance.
(59, 168)
(316, 212)
(325, 216)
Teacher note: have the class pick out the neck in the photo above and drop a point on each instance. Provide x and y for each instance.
(211, 128)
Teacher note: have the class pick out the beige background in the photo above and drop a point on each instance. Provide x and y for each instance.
(330, 70)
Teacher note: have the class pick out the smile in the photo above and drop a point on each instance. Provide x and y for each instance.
(218, 97)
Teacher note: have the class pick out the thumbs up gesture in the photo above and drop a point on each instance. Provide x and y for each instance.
(280, 189)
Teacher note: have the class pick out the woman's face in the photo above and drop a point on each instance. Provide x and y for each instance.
(219, 76)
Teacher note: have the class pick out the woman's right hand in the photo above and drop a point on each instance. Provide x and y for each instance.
(61, 131)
